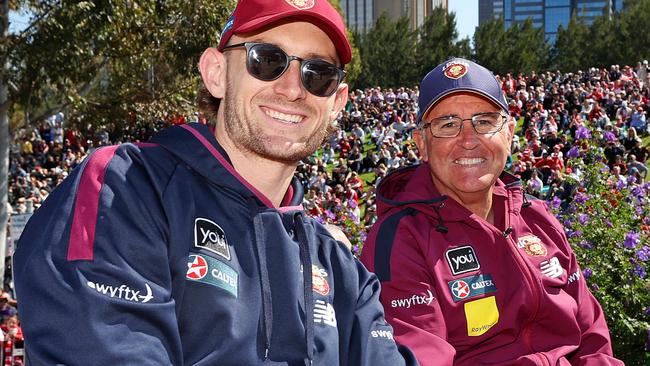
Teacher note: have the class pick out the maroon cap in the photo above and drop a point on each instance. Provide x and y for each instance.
(251, 15)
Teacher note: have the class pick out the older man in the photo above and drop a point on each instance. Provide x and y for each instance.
(193, 249)
(473, 272)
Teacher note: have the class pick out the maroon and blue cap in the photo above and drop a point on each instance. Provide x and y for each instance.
(252, 15)
(458, 75)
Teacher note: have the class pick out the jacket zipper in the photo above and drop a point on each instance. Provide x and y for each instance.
(529, 278)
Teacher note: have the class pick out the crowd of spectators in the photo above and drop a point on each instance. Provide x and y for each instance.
(375, 137)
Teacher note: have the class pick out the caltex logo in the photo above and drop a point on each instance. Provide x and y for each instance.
(460, 289)
(197, 268)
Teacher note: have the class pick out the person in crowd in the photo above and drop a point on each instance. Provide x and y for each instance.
(194, 248)
(474, 272)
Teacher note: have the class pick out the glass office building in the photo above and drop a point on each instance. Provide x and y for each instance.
(546, 14)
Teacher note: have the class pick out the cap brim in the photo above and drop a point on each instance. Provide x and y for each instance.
(458, 90)
(339, 39)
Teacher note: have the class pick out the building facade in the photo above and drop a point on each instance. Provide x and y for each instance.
(360, 15)
(546, 14)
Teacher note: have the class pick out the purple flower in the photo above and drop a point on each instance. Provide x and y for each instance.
(352, 204)
(621, 184)
(609, 136)
(330, 215)
(582, 218)
(643, 254)
(585, 244)
(363, 236)
(594, 287)
(353, 217)
(355, 249)
(583, 133)
(556, 202)
(631, 240)
(640, 271)
(580, 198)
(587, 272)
(609, 224)
(567, 223)
(638, 191)
(647, 311)
(638, 210)
(574, 152)
(631, 179)
(575, 234)
(320, 220)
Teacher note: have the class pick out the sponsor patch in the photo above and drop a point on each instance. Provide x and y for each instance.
(552, 268)
(462, 260)
(380, 333)
(424, 299)
(208, 235)
(481, 315)
(455, 69)
(211, 271)
(532, 245)
(324, 313)
(574, 277)
(319, 280)
(123, 292)
(472, 286)
(301, 4)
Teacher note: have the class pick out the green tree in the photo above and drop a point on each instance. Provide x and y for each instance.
(437, 41)
(490, 46)
(100, 61)
(528, 50)
(388, 54)
(570, 52)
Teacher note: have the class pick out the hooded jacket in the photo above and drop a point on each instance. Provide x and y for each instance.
(461, 291)
(160, 253)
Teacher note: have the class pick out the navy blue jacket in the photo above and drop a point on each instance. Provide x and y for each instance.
(161, 253)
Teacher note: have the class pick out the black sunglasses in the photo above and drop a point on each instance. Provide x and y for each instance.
(267, 62)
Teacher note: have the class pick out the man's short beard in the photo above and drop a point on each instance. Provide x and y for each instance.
(242, 135)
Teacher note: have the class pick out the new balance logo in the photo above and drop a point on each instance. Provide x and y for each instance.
(552, 268)
(324, 313)
(413, 300)
(123, 292)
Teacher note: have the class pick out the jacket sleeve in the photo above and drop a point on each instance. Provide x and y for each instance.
(595, 344)
(408, 296)
(372, 341)
(92, 270)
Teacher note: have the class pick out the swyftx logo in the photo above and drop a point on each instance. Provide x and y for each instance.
(413, 300)
(122, 292)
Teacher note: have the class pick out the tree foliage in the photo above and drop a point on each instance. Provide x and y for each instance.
(519, 49)
(387, 54)
(437, 41)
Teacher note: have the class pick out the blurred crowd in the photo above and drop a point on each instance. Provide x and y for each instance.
(554, 108)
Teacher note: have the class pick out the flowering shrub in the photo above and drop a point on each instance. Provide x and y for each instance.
(606, 219)
(346, 216)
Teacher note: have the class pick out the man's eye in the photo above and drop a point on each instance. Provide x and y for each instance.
(448, 125)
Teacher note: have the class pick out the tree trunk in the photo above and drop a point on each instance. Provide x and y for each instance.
(4, 139)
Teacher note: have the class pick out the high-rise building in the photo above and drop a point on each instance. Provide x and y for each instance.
(360, 15)
(546, 14)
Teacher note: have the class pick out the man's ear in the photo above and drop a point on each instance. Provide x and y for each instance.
(421, 143)
(340, 99)
(213, 71)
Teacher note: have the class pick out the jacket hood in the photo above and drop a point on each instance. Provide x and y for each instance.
(412, 187)
(196, 145)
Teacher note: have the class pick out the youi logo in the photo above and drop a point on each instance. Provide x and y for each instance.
(462, 260)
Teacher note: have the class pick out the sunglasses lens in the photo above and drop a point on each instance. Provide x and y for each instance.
(266, 62)
(320, 78)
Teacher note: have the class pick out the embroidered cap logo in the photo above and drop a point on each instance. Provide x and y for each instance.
(301, 4)
(455, 70)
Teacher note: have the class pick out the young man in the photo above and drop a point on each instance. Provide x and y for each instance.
(193, 249)
(473, 272)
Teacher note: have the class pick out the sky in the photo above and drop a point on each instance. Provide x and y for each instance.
(466, 16)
